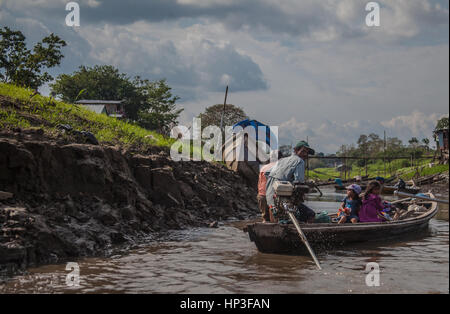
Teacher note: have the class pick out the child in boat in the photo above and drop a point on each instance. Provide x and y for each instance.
(350, 205)
(371, 203)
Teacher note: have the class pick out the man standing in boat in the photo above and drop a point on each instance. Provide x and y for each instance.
(291, 169)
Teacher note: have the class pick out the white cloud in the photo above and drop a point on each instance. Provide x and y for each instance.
(186, 61)
(330, 135)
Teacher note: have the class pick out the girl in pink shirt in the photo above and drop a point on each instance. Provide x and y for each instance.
(371, 203)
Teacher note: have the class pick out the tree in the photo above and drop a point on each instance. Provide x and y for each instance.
(150, 104)
(213, 114)
(394, 144)
(442, 124)
(426, 143)
(413, 142)
(158, 110)
(24, 67)
(103, 82)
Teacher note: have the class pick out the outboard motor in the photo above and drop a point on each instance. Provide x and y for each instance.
(288, 196)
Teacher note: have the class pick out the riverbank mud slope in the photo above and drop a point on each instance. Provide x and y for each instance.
(68, 200)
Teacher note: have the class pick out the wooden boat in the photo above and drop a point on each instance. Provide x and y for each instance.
(387, 189)
(390, 189)
(284, 239)
(344, 187)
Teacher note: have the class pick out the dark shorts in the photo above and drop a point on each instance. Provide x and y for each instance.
(305, 213)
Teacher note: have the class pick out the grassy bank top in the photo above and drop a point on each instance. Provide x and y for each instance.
(20, 107)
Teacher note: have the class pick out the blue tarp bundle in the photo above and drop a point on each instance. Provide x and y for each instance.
(254, 123)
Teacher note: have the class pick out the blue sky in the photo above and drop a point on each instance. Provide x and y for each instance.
(311, 67)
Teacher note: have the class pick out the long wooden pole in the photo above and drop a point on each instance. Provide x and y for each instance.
(223, 111)
(304, 239)
(384, 152)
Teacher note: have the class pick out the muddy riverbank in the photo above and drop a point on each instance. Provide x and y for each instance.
(68, 200)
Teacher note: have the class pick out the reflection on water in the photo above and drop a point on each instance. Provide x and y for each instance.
(223, 260)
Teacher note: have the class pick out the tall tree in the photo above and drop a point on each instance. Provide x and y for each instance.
(158, 110)
(213, 114)
(413, 142)
(426, 143)
(442, 124)
(24, 67)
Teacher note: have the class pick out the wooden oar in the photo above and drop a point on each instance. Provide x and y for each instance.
(304, 239)
(426, 198)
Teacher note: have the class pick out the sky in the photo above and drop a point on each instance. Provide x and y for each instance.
(312, 68)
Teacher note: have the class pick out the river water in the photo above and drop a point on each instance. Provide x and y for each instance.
(223, 260)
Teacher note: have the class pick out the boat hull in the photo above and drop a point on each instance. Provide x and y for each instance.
(284, 239)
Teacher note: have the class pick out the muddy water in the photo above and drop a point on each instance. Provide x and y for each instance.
(223, 260)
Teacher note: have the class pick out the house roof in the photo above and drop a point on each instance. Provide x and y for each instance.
(99, 102)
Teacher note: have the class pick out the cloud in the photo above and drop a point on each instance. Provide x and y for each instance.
(308, 19)
(191, 61)
(330, 135)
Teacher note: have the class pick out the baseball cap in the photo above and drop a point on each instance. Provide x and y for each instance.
(354, 187)
(305, 144)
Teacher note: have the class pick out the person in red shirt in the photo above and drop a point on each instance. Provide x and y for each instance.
(261, 197)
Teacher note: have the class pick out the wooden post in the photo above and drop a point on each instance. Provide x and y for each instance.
(384, 153)
(223, 112)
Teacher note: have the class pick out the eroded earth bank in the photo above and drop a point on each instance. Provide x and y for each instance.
(61, 200)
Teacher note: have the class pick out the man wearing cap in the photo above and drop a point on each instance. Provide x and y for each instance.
(291, 169)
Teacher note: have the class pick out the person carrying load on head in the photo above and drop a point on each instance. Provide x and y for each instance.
(262, 181)
(291, 169)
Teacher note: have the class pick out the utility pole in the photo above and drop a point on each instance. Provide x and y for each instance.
(223, 112)
(384, 153)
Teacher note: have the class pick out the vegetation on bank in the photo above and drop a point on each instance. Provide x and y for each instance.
(421, 168)
(22, 107)
(149, 104)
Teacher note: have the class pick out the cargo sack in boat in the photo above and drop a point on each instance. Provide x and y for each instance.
(322, 217)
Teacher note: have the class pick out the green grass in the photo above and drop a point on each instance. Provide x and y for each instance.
(18, 108)
(425, 171)
(396, 167)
